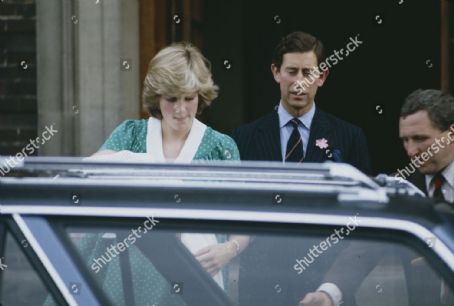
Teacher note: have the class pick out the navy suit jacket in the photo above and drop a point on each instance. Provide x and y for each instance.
(418, 179)
(260, 140)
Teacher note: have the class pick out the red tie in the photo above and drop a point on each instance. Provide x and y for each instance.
(438, 181)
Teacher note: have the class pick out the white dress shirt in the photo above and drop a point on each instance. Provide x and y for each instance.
(448, 185)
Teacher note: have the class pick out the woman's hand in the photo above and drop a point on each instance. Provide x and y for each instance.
(214, 257)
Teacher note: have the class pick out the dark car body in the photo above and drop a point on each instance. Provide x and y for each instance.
(51, 207)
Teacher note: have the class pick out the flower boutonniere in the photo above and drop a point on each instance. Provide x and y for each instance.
(332, 154)
(322, 143)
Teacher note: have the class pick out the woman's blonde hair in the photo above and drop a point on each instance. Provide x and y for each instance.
(176, 70)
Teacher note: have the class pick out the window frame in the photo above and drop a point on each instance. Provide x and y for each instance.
(406, 239)
(7, 224)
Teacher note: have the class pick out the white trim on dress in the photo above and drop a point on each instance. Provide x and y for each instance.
(190, 147)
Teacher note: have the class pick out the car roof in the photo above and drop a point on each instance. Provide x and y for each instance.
(319, 194)
(257, 186)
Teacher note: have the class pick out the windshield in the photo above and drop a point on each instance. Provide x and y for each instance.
(150, 263)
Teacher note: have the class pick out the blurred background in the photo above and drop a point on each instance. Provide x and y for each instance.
(78, 65)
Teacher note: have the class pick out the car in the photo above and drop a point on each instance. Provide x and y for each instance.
(90, 232)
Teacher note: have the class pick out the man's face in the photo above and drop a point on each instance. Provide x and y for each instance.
(420, 136)
(297, 67)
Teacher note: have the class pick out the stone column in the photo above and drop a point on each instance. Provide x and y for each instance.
(88, 76)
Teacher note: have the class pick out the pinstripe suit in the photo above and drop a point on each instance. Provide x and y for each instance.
(260, 140)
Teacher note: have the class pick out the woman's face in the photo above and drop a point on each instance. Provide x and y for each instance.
(179, 112)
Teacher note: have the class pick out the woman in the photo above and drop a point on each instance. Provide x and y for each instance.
(177, 87)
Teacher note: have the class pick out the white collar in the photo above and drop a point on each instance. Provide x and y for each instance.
(190, 147)
(448, 174)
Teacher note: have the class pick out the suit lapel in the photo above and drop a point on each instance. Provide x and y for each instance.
(320, 128)
(268, 140)
(418, 179)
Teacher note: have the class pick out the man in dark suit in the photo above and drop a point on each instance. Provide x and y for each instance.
(300, 131)
(426, 128)
(297, 132)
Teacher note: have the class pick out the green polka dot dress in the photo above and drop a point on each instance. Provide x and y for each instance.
(150, 287)
(131, 135)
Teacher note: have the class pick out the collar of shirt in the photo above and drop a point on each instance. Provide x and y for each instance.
(285, 117)
(448, 185)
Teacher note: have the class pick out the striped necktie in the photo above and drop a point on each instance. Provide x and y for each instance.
(294, 151)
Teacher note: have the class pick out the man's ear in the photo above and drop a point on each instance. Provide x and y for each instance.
(276, 73)
(323, 76)
(451, 134)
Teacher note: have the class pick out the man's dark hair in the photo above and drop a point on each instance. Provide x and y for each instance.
(438, 104)
(298, 42)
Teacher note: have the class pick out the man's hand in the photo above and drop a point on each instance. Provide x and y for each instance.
(214, 257)
(318, 298)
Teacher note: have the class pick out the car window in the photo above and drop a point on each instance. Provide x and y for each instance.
(136, 266)
(20, 282)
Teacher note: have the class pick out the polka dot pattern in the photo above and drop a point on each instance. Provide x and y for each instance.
(150, 287)
(131, 135)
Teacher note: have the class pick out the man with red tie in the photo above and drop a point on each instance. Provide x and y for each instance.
(426, 128)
